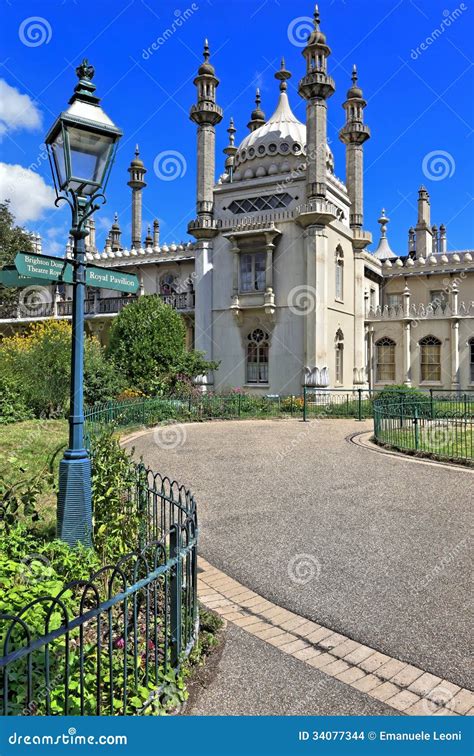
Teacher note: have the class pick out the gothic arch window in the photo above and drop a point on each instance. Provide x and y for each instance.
(168, 284)
(339, 355)
(471, 360)
(430, 358)
(339, 261)
(385, 360)
(257, 356)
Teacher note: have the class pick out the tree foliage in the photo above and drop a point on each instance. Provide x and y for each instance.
(13, 239)
(147, 342)
(38, 364)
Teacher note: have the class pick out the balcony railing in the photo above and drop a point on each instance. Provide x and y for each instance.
(183, 302)
(420, 311)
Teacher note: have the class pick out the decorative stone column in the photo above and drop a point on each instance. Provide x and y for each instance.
(359, 367)
(315, 320)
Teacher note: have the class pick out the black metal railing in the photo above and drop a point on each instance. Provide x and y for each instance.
(106, 645)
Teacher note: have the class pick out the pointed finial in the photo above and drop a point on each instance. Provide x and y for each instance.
(354, 73)
(231, 131)
(317, 18)
(115, 217)
(282, 75)
(206, 52)
(383, 220)
(85, 70)
(137, 151)
(258, 99)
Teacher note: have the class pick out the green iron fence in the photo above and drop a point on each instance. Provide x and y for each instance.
(438, 425)
(310, 404)
(109, 644)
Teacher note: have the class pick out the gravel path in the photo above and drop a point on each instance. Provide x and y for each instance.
(374, 546)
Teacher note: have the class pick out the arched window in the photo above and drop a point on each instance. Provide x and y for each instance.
(385, 360)
(257, 356)
(168, 284)
(339, 273)
(430, 348)
(339, 354)
(471, 360)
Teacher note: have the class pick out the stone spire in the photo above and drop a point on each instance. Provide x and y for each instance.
(205, 114)
(424, 241)
(91, 243)
(316, 87)
(115, 234)
(137, 173)
(257, 117)
(230, 150)
(148, 237)
(156, 233)
(383, 251)
(353, 135)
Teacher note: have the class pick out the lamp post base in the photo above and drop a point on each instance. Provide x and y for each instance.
(74, 523)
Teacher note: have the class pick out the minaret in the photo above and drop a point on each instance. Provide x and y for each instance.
(148, 238)
(316, 87)
(424, 241)
(257, 117)
(137, 172)
(205, 114)
(230, 150)
(353, 135)
(411, 241)
(443, 241)
(115, 234)
(156, 233)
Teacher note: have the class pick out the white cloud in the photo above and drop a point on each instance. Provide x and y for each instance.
(17, 111)
(28, 193)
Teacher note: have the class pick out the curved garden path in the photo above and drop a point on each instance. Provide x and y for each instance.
(372, 546)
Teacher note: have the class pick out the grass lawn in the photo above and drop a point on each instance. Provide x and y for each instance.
(30, 449)
(451, 440)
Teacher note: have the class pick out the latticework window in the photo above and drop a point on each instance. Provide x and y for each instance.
(257, 356)
(256, 204)
(385, 360)
(430, 348)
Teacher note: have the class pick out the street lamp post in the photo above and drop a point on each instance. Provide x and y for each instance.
(81, 146)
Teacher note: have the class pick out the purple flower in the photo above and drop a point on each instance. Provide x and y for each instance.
(119, 643)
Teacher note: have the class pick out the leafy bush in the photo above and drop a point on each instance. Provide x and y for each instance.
(404, 399)
(13, 408)
(116, 521)
(38, 366)
(147, 343)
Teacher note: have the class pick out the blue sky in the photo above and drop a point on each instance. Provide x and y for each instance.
(419, 100)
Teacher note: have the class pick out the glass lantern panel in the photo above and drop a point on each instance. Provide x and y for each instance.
(89, 155)
(59, 159)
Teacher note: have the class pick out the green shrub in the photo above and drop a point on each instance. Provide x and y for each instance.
(404, 399)
(13, 408)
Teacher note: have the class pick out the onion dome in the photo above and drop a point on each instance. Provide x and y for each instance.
(257, 117)
(316, 37)
(355, 91)
(137, 161)
(206, 67)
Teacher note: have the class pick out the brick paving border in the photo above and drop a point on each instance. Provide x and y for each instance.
(402, 686)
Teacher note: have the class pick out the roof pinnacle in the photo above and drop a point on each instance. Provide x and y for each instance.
(282, 75)
(354, 76)
(206, 53)
(317, 17)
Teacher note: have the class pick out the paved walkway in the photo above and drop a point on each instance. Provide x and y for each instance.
(371, 546)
